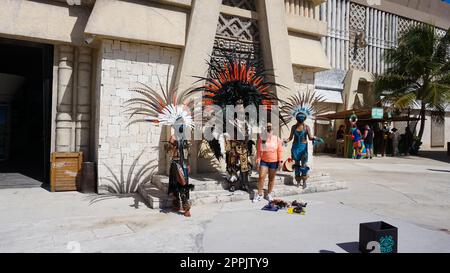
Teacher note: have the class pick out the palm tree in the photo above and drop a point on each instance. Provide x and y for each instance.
(418, 74)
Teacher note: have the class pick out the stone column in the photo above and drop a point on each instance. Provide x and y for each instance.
(73, 99)
(275, 44)
(64, 99)
(198, 49)
(83, 109)
(276, 51)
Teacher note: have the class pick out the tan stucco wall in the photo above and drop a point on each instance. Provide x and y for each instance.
(307, 51)
(351, 83)
(44, 21)
(138, 21)
(306, 25)
(199, 45)
(199, 41)
(275, 43)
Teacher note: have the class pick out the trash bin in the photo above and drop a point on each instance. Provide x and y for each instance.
(381, 234)
(88, 181)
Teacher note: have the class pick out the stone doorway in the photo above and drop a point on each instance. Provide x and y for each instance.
(25, 112)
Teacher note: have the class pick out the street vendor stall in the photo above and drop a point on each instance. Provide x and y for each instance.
(376, 117)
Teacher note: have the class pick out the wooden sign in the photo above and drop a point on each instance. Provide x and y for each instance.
(65, 170)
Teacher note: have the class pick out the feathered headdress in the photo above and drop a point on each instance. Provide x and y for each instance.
(236, 81)
(169, 108)
(306, 103)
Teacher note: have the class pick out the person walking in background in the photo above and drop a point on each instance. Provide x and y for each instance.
(394, 137)
(368, 140)
(269, 159)
(357, 137)
(340, 133)
(408, 139)
(385, 138)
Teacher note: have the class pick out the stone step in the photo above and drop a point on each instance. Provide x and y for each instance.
(217, 182)
(158, 199)
(155, 198)
(312, 187)
(209, 182)
(287, 178)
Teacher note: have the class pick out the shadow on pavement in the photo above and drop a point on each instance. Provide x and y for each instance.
(350, 247)
(435, 155)
(436, 170)
(326, 251)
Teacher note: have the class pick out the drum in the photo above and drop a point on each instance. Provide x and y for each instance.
(288, 165)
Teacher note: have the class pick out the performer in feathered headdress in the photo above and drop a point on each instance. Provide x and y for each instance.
(357, 138)
(175, 110)
(301, 107)
(237, 82)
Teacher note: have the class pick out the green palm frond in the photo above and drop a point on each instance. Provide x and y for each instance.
(418, 73)
(405, 101)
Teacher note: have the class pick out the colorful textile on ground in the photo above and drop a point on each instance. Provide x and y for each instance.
(270, 207)
(292, 207)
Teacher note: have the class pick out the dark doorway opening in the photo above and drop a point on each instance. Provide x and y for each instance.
(26, 70)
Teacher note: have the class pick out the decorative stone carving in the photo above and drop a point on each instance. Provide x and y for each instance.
(237, 35)
(357, 36)
(403, 25)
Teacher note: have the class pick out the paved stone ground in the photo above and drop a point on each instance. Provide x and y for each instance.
(411, 193)
(17, 180)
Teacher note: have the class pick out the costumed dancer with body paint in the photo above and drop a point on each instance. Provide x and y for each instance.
(301, 107)
(356, 137)
(238, 82)
(175, 110)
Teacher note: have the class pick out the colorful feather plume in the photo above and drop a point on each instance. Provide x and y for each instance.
(166, 108)
(236, 81)
(306, 103)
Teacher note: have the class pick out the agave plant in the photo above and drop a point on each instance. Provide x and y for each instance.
(121, 184)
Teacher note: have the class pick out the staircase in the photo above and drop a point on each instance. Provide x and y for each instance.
(211, 188)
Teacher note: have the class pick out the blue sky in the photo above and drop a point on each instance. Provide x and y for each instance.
(446, 1)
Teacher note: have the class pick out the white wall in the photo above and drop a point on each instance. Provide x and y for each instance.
(426, 138)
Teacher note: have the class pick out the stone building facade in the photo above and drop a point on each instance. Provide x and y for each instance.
(101, 48)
